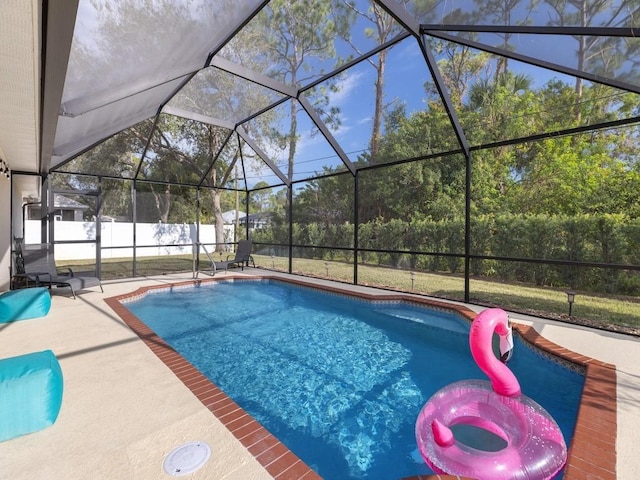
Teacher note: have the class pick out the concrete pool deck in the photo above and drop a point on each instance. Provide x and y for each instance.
(124, 410)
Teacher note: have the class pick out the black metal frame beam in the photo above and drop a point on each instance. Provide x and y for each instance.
(327, 134)
(254, 77)
(535, 30)
(215, 158)
(401, 16)
(146, 146)
(78, 106)
(534, 61)
(197, 117)
(537, 261)
(263, 156)
(362, 58)
(235, 31)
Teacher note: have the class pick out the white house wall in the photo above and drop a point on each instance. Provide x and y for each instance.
(5, 235)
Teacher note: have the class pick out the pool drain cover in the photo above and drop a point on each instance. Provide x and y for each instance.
(187, 458)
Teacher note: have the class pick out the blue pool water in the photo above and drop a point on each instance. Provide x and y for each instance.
(340, 381)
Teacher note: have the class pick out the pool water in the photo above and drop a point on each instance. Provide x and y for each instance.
(339, 380)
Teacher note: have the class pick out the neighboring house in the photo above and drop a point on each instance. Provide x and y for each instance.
(63, 209)
(256, 220)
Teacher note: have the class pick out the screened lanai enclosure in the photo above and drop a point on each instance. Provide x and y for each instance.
(483, 151)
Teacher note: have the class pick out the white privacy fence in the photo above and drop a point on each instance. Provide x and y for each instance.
(151, 238)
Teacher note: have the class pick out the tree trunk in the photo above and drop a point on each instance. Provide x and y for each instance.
(293, 130)
(581, 60)
(377, 114)
(219, 221)
(578, 112)
(163, 202)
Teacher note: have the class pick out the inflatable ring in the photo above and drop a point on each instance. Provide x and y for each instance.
(535, 447)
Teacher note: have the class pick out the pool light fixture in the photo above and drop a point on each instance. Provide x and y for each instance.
(571, 296)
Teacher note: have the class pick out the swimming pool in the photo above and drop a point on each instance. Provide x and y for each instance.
(338, 380)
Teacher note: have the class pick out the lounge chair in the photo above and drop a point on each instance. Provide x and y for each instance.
(242, 257)
(40, 267)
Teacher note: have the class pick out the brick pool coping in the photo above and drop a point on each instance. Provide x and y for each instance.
(592, 450)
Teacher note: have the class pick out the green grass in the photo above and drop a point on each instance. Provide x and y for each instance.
(114, 268)
(591, 309)
(547, 302)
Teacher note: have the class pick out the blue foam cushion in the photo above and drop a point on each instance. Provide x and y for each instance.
(30, 393)
(24, 304)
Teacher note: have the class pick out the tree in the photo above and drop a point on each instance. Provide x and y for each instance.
(597, 54)
(575, 175)
(296, 33)
(502, 12)
(459, 67)
(260, 195)
(327, 201)
(117, 157)
(501, 108)
(383, 29)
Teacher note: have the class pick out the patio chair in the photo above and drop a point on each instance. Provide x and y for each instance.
(40, 267)
(242, 257)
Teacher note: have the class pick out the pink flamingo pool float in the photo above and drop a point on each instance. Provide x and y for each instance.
(535, 447)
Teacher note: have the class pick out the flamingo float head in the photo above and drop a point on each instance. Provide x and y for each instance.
(503, 381)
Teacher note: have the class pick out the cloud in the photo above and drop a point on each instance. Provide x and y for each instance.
(346, 84)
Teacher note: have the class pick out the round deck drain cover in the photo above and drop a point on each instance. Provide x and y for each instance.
(187, 458)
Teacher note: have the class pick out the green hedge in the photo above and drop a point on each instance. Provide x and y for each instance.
(585, 238)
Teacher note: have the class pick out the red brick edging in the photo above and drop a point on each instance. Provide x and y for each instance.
(592, 450)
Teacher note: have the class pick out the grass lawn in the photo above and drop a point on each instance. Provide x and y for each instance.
(540, 301)
(547, 302)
